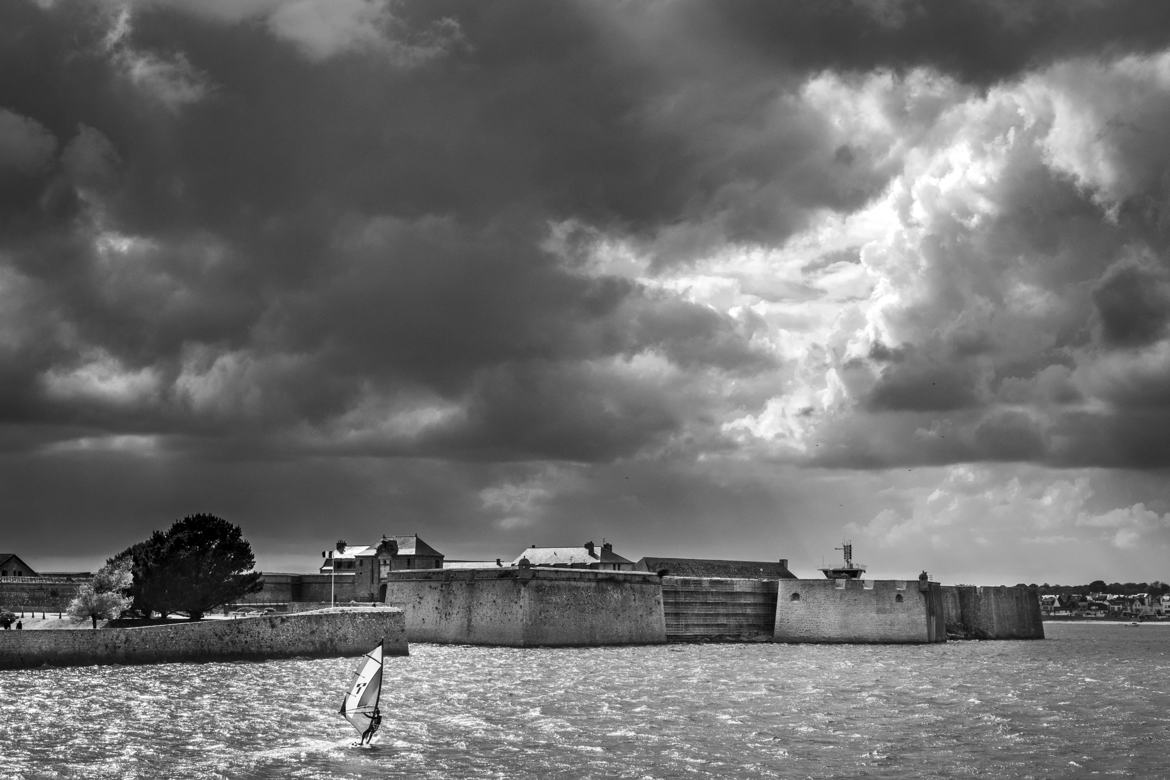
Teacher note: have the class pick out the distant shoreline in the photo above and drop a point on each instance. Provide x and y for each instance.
(1104, 621)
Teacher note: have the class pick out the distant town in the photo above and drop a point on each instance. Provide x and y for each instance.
(1129, 601)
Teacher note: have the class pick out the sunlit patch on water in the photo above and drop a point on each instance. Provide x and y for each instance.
(979, 709)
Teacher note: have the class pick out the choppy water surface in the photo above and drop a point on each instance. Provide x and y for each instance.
(1089, 701)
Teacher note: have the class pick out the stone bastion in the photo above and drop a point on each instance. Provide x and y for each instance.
(331, 632)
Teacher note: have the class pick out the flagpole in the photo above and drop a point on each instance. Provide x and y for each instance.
(329, 557)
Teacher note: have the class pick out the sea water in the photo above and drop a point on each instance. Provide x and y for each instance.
(1089, 701)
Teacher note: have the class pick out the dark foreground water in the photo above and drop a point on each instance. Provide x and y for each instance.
(1090, 701)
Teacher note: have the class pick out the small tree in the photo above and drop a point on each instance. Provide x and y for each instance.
(117, 576)
(104, 597)
(7, 618)
(97, 604)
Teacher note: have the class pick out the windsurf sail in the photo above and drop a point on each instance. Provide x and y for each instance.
(360, 706)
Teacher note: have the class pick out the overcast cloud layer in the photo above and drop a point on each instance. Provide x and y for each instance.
(707, 279)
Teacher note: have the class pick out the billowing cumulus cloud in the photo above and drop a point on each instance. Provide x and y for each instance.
(702, 277)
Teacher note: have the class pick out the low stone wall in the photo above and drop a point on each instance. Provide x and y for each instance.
(324, 633)
(974, 612)
(700, 609)
(527, 607)
(869, 611)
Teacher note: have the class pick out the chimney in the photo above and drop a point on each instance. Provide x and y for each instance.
(606, 547)
(589, 547)
(783, 563)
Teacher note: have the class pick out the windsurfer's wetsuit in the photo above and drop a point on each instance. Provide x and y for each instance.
(375, 722)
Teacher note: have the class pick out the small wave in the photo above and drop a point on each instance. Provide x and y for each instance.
(305, 747)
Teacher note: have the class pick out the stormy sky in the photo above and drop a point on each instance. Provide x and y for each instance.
(708, 279)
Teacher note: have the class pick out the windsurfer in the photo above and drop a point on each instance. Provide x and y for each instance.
(375, 722)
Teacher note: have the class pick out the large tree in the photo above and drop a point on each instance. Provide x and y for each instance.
(209, 562)
(201, 562)
(149, 586)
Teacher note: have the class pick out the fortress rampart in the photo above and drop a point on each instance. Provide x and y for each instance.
(326, 633)
(547, 606)
(529, 607)
(973, 612)
(847, 610)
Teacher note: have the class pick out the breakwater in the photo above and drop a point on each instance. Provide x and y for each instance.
(529, 607)
(340, 631)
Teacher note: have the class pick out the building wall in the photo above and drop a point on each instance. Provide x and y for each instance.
(319, 588)
(53, 594)
(706, 608)
(50, 594)
(858, 611)
(325, 633)
(524, 607)
(282, 588)
(974, 612)
(13, 567)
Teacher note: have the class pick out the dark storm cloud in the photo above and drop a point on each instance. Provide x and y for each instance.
(262, 239)
(501, 272)
(980, 41)
(1009, 435)
(918, 384)
(544, 413)
(1133, 304)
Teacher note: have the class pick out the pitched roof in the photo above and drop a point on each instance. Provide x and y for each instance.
(6, 557)
(353, 551)
(474, 564)
(702, 567)
(557, 556)
(609, 556)
(408, 544)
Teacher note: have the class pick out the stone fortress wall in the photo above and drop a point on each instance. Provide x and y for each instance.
(572, 607)
(575, 607)
(342, 631)
(845, 610)
(529, 607)
(974, 612)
